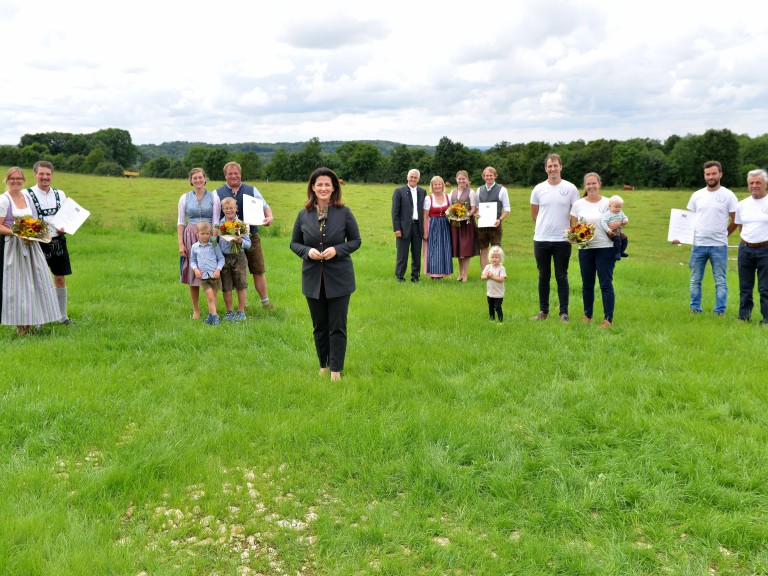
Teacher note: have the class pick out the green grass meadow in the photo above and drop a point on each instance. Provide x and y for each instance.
(141, 442)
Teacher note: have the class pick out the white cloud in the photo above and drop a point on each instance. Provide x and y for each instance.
(268, 70)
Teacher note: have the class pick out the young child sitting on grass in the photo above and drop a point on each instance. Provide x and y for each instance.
(614, 214)
(207, 261)
(495, 274)
(235, 271)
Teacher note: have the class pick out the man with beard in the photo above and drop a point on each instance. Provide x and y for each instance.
(48, 202)
(551, 203)
(715, 208)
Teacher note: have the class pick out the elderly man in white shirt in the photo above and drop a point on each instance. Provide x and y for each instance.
(752, 219)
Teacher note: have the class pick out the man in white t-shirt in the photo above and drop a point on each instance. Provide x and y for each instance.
(715, 207)
(551, 203)
(752, 219)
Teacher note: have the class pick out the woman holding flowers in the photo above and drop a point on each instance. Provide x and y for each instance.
(324, 236)
(596, 256)
(438, 255)
(463, 230)
(28, 297)
(197, 205)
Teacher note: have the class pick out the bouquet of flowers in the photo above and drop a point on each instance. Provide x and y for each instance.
(31, 229)
(231, 230)
(457, 213)
(581, 233)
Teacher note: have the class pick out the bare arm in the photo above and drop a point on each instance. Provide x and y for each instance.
(268, 216)
(182, 249)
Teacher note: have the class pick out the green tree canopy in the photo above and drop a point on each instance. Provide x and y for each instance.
(94, 158)
(31, 153)
(214, 163)
(304, 162)
(250, 163)
(723, 146)
(279, 168)
(196, 158)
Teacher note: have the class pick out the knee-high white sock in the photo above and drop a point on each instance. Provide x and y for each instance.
(61, 296)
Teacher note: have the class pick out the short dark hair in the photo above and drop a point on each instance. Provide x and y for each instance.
(713, 164)
(42, 164)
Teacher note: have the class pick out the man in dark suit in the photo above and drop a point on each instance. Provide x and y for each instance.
(408, 224)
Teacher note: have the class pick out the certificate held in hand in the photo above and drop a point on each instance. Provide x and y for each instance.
(681, 225)
(69, 217)
(253, 211)
(487, 214)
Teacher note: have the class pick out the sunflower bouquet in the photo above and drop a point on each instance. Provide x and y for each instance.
(31, 229)
(457, 213)
(580, 233)
(231, 230)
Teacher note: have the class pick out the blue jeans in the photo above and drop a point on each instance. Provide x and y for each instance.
(597, 262)
(753, 262)
(718, 256)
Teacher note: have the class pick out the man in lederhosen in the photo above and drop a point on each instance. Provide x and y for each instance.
(47, 202)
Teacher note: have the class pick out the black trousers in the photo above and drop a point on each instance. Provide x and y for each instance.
(546, 253)
(406, 245)
(494, 308)
(329, 324)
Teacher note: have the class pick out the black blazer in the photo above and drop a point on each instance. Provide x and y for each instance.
(341, 232)
(402, 210)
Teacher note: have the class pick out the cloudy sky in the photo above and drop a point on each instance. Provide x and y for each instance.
(409, 71)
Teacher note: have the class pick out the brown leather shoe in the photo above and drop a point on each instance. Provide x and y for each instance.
(586, 319)
(606, 324)
(540, 316)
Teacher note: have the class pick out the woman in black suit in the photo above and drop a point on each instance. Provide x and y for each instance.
(324, 235)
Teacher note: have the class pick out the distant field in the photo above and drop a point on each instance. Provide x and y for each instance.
(141, 442)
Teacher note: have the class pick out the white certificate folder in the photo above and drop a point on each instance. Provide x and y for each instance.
(69, 217)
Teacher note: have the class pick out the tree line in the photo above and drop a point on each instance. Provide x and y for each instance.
(106, 152)
(639, 162)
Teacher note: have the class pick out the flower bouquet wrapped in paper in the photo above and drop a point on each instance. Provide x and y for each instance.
(457, 213)
(231, 230)
(31, 229)
(580, 233)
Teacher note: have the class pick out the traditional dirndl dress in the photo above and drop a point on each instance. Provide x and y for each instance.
(191, 212)
(29, 297)
(438, 261)
(463, 239)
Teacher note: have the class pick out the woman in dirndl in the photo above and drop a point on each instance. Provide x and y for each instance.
(28, 295)
(463, 232)
(438, 255)
(197, 205)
